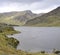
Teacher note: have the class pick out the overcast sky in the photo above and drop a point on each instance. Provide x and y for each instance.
(36, 6)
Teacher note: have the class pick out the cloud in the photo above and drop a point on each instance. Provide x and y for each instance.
(21, 1)
(37, 6)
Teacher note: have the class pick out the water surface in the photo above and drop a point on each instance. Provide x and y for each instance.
(38, 38)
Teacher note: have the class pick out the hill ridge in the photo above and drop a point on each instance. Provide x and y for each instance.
(51, 18)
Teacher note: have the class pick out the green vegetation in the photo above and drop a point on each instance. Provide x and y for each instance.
(12, 41)
(56, 51)
(8, 45)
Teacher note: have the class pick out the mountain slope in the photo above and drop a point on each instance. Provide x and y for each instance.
(49, 19)
(16, 18)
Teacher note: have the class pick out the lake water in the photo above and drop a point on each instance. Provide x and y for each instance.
(38, 38)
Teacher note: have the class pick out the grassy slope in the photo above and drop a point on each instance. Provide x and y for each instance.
(5, 47)
(16, 18)
(49, 19)
(8, 18)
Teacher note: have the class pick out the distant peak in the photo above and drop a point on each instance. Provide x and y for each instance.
(56, 10)
(28, 11)
(58, 7)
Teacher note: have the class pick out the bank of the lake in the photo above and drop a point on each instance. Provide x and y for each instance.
(8, 45)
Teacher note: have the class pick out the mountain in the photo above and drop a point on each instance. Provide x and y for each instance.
(16, 18)
(51, 18)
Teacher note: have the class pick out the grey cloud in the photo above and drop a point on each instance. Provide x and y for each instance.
(31, 4)
(23, 1)
(48, 4)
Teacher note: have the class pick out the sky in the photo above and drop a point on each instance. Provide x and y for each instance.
(36, 6)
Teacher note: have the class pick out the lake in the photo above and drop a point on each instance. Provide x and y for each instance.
(38, 38)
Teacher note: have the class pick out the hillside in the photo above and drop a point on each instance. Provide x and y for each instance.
(16, 18)
(51, 18)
